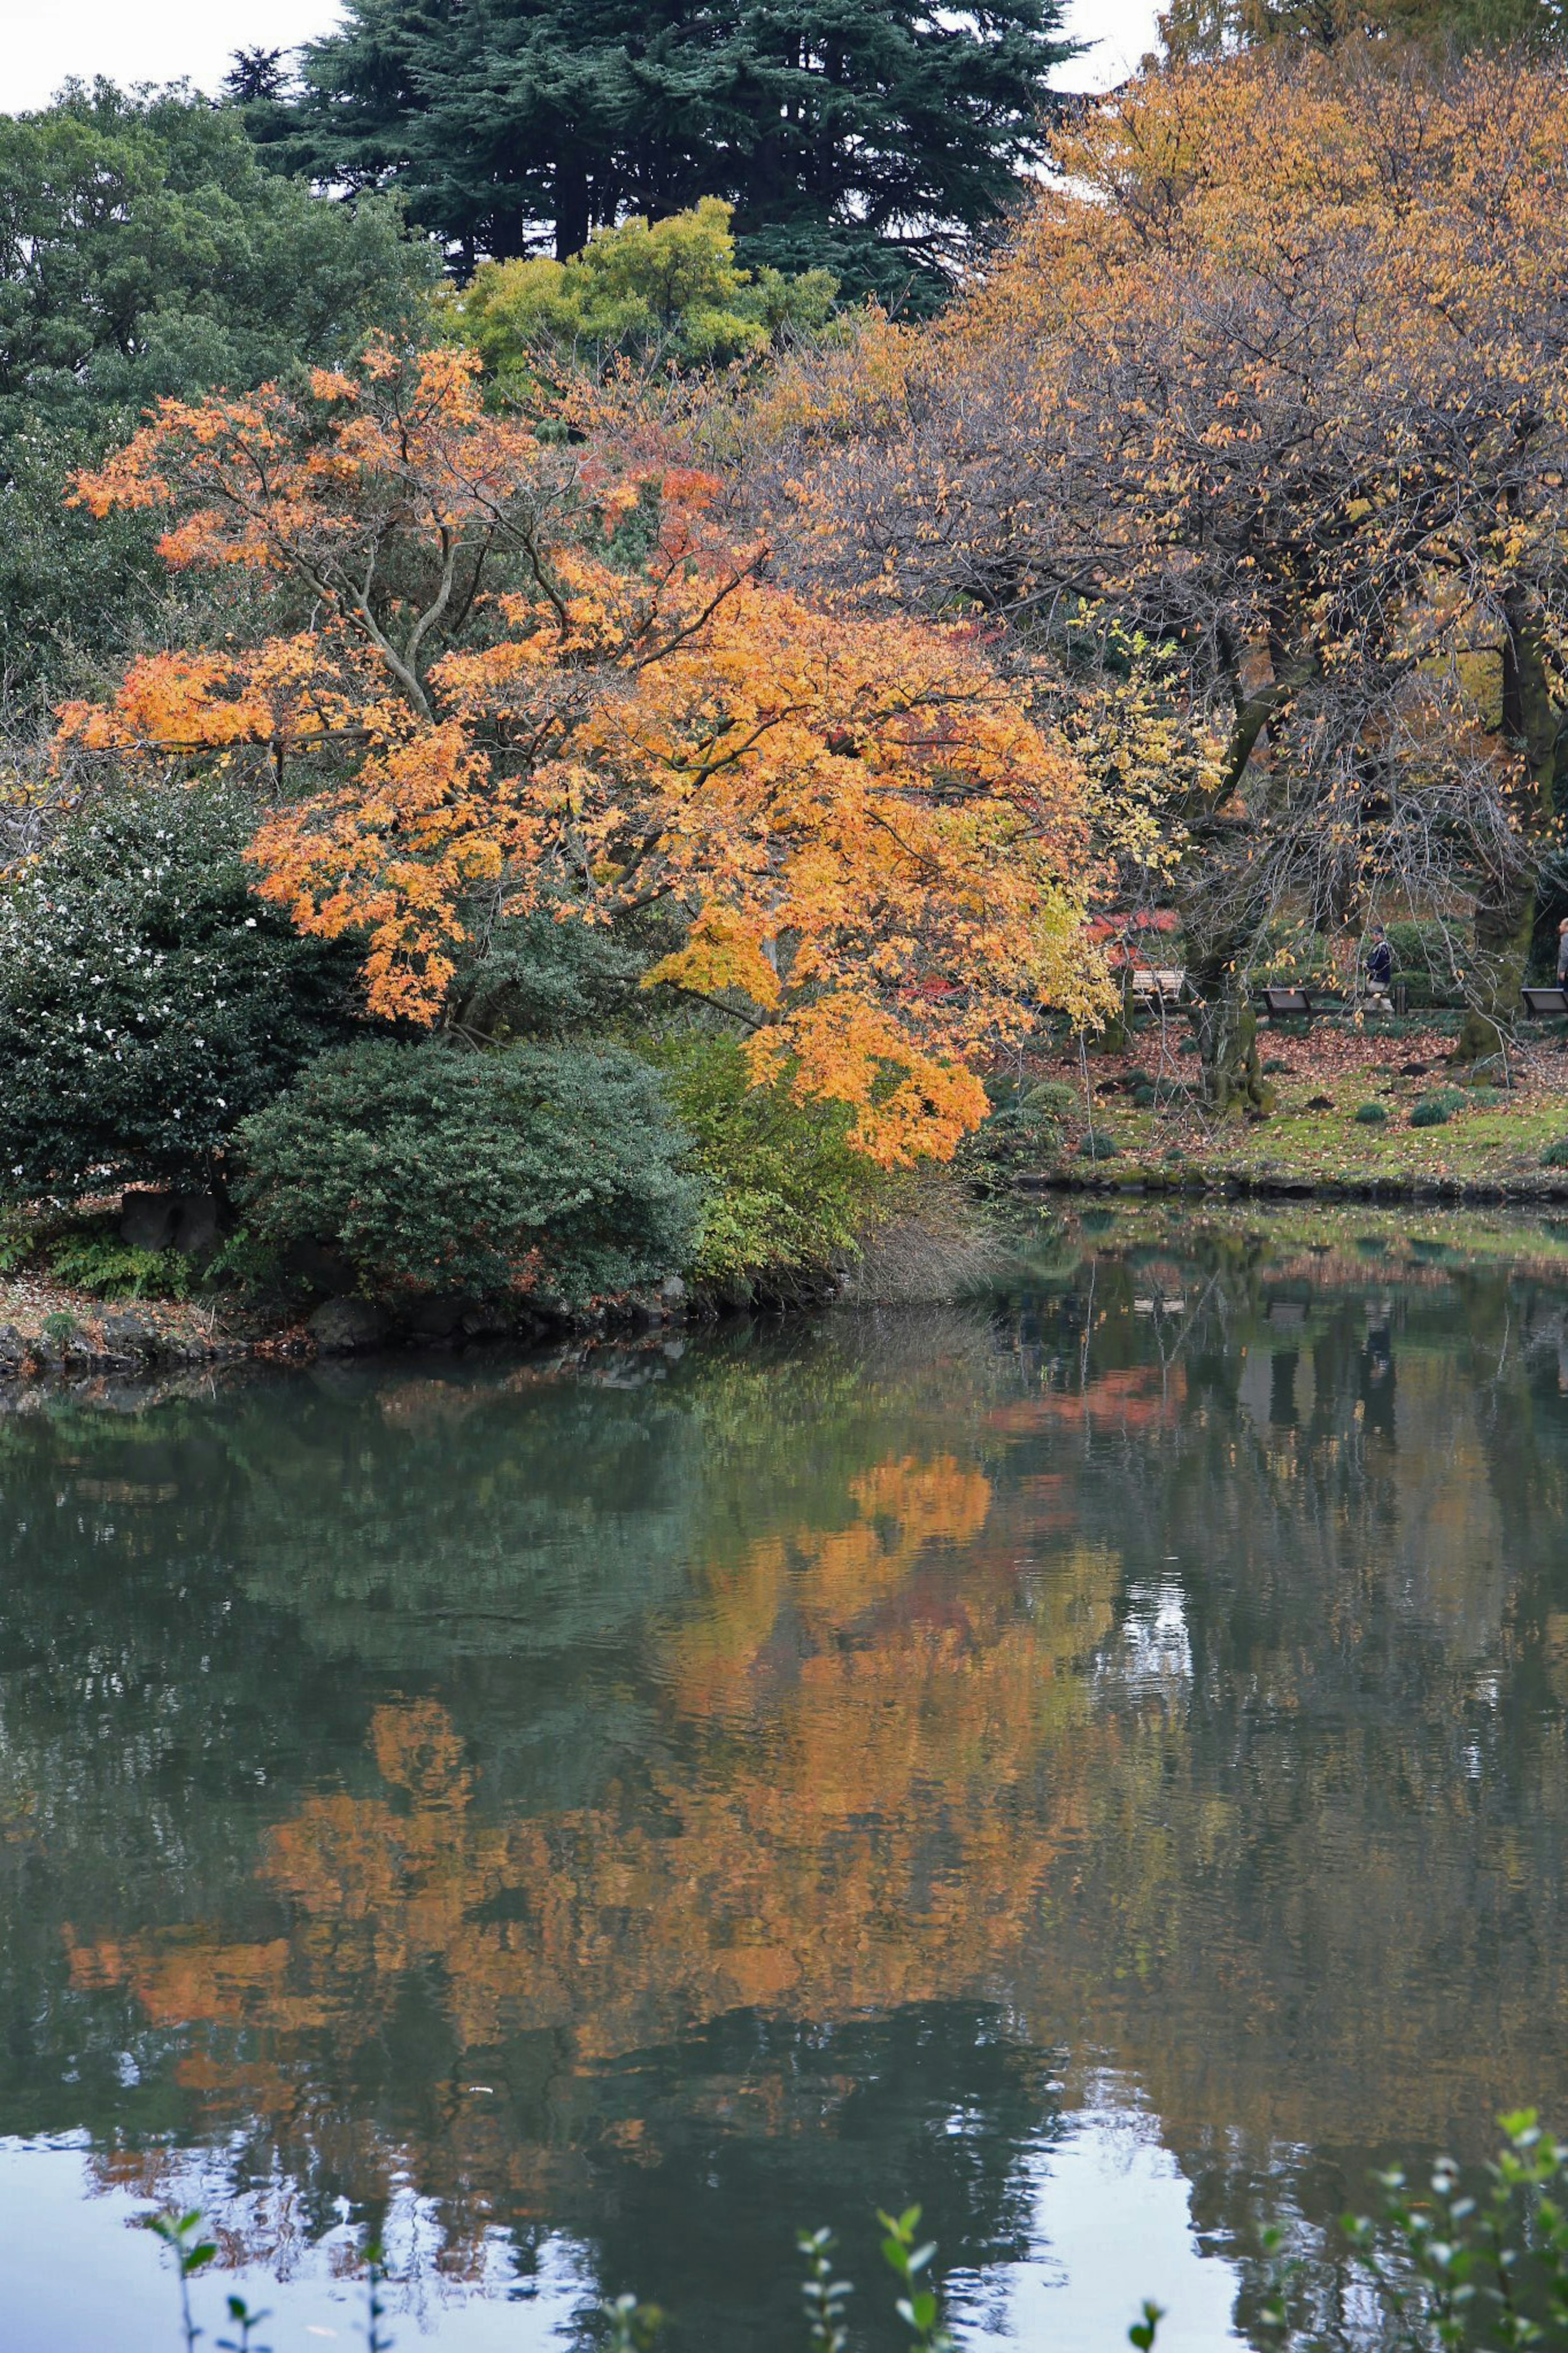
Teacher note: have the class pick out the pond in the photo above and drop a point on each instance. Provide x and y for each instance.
(1094, 1760)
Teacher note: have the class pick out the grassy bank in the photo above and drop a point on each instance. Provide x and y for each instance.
(1353, 1111)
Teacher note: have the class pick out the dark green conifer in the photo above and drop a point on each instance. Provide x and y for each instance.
(876, 138)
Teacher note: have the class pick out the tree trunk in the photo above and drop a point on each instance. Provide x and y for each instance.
(1505, 926)
(1533, 727)
(1227, 1053)
(1226, 1027)
(1116, 1037)
(572, 223)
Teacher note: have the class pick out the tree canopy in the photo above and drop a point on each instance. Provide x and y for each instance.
(871, 140)
(670, 291)
(1191, 29)
(536, 670)
(145, 249)
(1285, 405)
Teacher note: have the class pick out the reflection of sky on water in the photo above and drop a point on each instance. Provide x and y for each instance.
(1156, 1651)
(114, 2289)
(1109, 2225)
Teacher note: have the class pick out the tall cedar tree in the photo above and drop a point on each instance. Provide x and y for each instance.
(876, 139)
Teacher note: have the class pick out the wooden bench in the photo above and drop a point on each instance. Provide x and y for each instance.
(1159, 987)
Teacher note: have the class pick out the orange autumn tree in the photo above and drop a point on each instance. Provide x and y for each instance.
(519, 667)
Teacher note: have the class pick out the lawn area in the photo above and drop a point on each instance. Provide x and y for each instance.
(1419, 1121)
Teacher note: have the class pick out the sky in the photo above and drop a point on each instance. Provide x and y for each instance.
(43, 42)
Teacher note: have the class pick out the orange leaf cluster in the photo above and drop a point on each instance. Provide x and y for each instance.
(538, 673)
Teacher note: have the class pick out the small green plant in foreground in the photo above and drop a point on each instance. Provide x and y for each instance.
(916, 2306)
(1557, 1155)
(1370, 1115)
(182, 2235)
(1449, 2267)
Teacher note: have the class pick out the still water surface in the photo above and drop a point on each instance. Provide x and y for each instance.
(1096, 1761)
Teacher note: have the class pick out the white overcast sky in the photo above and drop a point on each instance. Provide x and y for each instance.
(43, 42)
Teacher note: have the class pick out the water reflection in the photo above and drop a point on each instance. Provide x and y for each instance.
(602, 1813)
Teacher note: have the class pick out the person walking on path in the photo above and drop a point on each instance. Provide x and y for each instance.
(1380, 963)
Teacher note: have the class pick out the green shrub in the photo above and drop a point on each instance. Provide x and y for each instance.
(1017, 1137)
(1052, 1095)
(148, 1000)
(243, 1262)
(1370, 1115)
(1099, 1146)
(430, 1169)
(1557, 1155)
(1428, 959)
(783, 1191)
(1275, 1066)
(1007, 1091)
(1433, 1110)
(1023, 1130)
(93, 1259)
(529, 976)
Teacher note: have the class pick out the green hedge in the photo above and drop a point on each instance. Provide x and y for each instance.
(530, 1168)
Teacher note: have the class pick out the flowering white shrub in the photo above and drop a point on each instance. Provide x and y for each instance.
(148, 1000)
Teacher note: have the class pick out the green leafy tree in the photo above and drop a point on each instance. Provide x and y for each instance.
(672, 291)
(148, 1001)
(146, 250)
(784, 1194)
(872, 138)
(530, 1167)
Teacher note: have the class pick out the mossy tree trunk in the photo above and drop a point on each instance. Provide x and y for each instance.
(1116, 1037)
(1227, 1052)
(1226, 1030)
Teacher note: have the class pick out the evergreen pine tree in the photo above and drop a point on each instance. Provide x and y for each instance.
(876, 138)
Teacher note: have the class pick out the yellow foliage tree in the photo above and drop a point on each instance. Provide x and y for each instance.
(1271, 376)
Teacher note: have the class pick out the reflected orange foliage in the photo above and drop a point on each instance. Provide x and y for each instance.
(876, 1836)
(1134, 1397)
